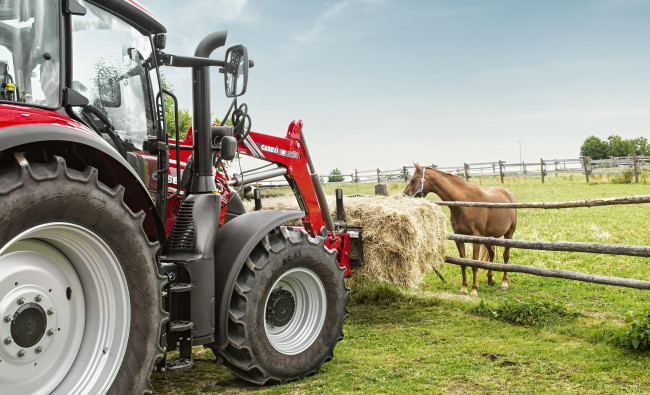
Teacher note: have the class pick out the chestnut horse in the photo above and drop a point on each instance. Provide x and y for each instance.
(474, 221)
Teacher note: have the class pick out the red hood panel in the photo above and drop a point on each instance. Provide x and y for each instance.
(14, 115)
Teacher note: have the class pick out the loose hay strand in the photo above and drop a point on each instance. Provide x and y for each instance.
(403, 239)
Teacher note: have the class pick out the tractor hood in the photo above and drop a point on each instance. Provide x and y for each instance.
(15, 115)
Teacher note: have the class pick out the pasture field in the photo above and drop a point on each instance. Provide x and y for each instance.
(542, 335)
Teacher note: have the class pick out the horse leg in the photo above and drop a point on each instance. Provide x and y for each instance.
(506, 258)
(476, 250)
(490, 250)
(461, 251)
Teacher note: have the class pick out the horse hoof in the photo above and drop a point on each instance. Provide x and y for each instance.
(474, 293)
(504, 287)
(463, 292)
(491, 282)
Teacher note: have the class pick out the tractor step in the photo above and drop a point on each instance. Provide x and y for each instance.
(180, 326)
(181, 287)
(178, 333)
(178, 364)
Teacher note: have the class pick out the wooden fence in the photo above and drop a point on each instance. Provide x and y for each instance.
(630, 168)
(613, 249)
(627, 166)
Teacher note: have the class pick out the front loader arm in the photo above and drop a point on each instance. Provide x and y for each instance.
(291, 153)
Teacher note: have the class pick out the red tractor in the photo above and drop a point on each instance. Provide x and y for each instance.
(117, 245)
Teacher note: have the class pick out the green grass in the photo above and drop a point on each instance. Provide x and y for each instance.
(542, 335)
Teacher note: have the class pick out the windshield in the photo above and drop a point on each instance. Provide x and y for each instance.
(29, 52)
(112, 67)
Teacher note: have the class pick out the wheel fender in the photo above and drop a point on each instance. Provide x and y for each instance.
(98, 153)
(234, 242)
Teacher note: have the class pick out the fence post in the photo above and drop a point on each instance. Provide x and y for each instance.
(541, 168)
(406, 174)
(636, 169)
(586, 167)
(356, 176)
(501, 171)
(556, 162)
(378, 176)
(466, 171)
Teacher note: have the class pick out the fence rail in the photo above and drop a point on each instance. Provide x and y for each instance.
(554, 205)
(593, 248)
(585, 277)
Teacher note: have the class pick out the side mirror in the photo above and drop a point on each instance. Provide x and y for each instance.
(235, 71)
(108, 87)
(228, 148)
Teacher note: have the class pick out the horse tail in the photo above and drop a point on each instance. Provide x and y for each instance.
(484, 255)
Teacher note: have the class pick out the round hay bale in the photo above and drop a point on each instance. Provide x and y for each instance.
(403, 238)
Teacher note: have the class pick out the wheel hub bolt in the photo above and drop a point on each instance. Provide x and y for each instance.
(50, 311)
(39, 350)
(21, 301)
(50, 332)
(8, 340)
(38, 298)
(21, 353)
(7, 318)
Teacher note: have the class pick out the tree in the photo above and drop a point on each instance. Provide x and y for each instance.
(184, 116)
(641, 146)
(595, 148)
(335, 176)
(620, 147)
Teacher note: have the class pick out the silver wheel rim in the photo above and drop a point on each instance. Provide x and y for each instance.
(308, 317)
(72, 281)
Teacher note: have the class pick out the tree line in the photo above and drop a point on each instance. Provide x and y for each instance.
(615, 145)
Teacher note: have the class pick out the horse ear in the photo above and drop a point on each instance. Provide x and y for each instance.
(417, 165)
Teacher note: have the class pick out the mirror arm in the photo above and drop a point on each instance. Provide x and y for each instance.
(189, 61)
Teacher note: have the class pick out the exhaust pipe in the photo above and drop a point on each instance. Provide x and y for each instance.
(203, 177)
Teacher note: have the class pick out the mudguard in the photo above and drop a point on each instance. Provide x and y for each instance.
(98, 154)
(235, 241)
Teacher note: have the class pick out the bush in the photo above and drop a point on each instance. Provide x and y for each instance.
(636, 334)
(625, 178)
(335, 176)
(527, 313)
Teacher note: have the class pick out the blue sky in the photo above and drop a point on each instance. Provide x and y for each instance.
(383, 83)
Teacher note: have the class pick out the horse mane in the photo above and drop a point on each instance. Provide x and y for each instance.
(444, 173)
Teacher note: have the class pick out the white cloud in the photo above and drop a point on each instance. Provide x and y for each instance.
(608, 5)
(561, 66)
(320, 24)
(574, 114)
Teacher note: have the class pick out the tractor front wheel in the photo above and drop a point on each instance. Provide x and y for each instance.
(80, 295)
(287, 309)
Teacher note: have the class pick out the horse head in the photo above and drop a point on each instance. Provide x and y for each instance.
(416, 185)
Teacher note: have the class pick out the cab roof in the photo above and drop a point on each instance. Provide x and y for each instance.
(132, 11)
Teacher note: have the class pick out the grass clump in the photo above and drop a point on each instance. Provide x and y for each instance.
(526, 313)
(372, 292)
(636, 334)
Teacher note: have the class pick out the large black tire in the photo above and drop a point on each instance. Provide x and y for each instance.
(299, 276)
(70, 220)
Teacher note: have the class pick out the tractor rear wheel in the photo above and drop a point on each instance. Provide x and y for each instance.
(287, 309)
(80, 294)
